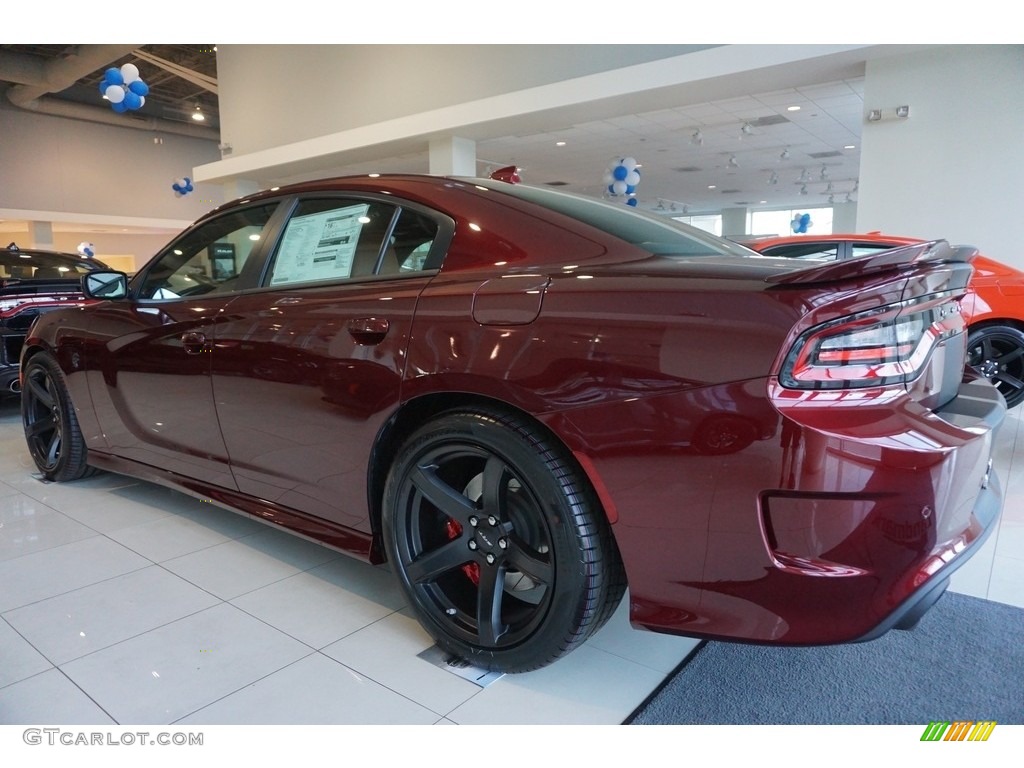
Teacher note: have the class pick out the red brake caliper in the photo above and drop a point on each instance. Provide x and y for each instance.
(472, 570)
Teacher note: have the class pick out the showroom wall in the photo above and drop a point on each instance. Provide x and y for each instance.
(72, 172)
(954, 167)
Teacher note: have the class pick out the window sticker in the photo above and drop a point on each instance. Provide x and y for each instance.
(320, 246)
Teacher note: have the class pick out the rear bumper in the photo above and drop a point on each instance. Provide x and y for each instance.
(845, 523)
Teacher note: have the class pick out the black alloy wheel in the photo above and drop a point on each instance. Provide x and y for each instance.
(997, 353)
(51, 428)
(497, 541)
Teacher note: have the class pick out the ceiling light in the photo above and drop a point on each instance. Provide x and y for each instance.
(747, 129)
(850, 146)
(774, 178)
(785, 154)
(733, 162)
(803, 190)
(198, 115)
(829, 188)
(559, 143)
(824, 173)
(831, 199)
(697, 137)
(711, 186)
(794, 108)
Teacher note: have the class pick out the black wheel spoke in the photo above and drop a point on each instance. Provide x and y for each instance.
(441, 495)
(437, 562)
(53, 449)
(40, 393)
(1009, 357)
(490, 626)
(1009, 380)
(495, 488)
(42, 425)
(523, 559)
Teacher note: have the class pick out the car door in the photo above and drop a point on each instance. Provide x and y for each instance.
(307, 369)
(151, 357)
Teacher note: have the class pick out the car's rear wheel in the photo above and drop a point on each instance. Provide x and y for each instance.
(997, 353)
(54, 438)
(498, 542)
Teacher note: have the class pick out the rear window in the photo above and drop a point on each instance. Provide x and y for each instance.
(655, 234)
(41, 265)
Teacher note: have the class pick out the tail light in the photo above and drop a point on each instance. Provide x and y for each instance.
(891, 345)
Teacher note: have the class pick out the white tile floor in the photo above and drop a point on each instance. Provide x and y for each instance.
(124, 603)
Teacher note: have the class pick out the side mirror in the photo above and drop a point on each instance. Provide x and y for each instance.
(105, 284)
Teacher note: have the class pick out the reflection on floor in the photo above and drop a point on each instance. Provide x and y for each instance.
(127, 603)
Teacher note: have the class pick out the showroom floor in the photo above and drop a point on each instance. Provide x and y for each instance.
(127, 603)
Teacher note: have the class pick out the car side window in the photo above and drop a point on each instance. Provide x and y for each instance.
(209, 259)
(331, 240)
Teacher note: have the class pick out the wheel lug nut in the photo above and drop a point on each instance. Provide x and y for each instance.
(503, 543)
(473, 521)
(490, 559)
(472, 544)
(492, 520)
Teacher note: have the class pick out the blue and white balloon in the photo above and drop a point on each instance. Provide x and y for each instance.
(621, 179)
(87, 250)
(182, 186)
(123, 88)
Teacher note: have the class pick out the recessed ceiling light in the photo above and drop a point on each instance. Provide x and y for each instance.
(559, 143)
(794, 108)
(712, 186)
(850, 146)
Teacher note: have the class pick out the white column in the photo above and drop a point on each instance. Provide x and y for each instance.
(844, 218)
(453, 156)
(734, 221)
(41, 235)
(953, 167)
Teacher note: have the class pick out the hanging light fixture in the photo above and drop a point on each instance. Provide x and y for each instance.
(785, 154)
(198, 115)
(803, 190)
(733, 163)
(697, 137)
(746, 130)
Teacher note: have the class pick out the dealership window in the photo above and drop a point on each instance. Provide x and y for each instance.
(209, 259)
(709, 222)
(781, 222)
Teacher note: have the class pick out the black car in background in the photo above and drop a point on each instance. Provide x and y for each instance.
(34, 281)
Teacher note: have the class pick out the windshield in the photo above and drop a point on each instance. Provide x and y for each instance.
(656, 234)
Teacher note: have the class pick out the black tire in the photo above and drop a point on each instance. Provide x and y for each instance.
(54, 438)
(498, 542)
(997, 353)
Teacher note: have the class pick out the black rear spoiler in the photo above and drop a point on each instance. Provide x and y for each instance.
(881, 261)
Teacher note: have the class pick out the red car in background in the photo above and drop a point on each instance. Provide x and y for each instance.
(993, 307)
(524, 401)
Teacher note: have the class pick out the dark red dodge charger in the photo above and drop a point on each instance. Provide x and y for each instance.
(524, 401)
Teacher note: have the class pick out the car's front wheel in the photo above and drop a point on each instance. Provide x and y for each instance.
(997, 353)
(498, 542)
(54, 438)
